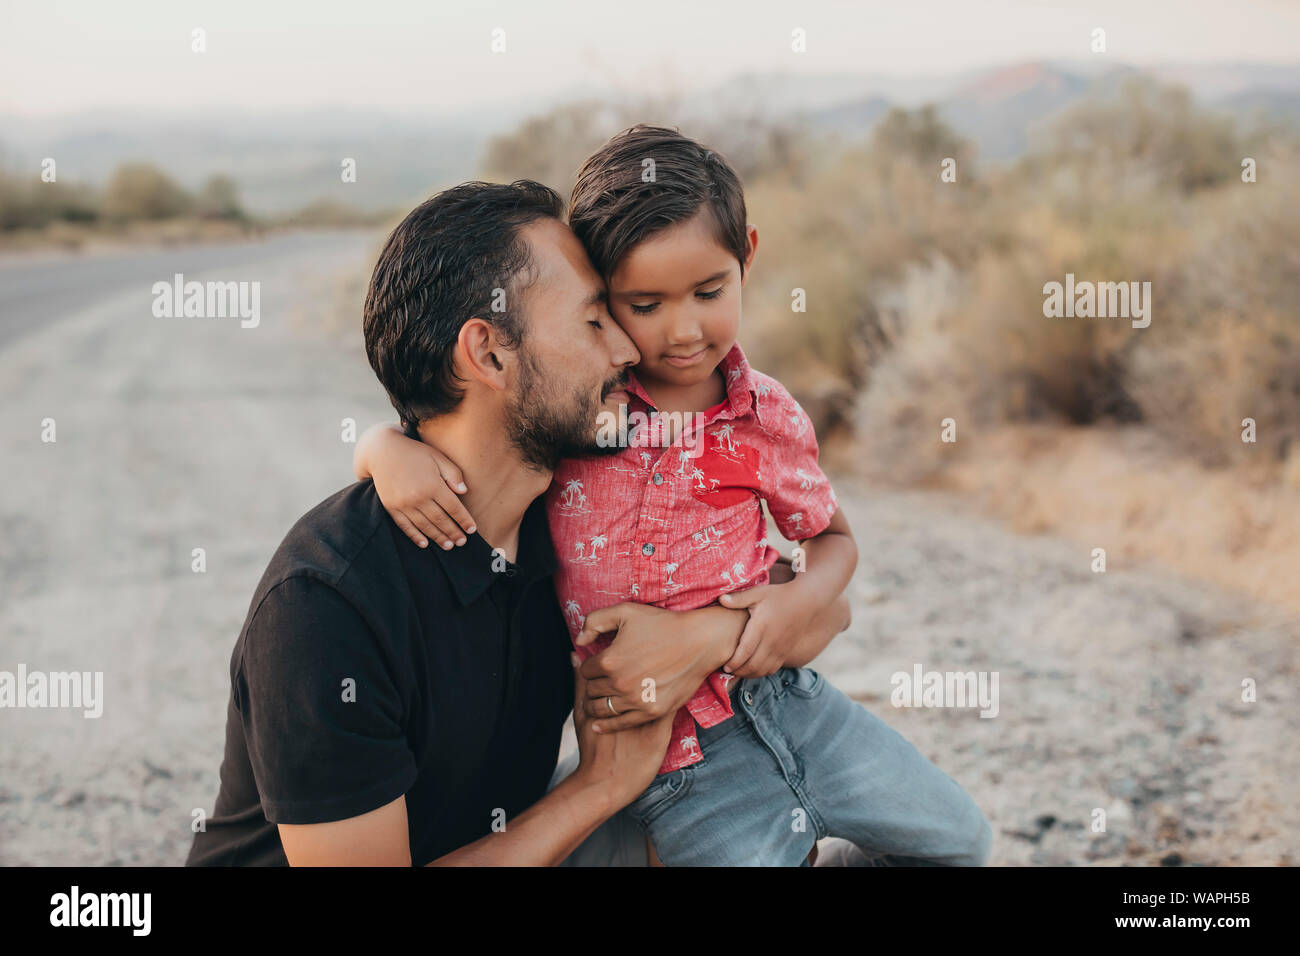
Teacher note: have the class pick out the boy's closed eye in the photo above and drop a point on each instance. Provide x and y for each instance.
(647, 308)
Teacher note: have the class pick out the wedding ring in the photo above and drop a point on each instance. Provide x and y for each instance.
(609, 702)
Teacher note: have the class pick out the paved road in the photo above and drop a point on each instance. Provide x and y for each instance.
(37, 292)
(1119, 691)
(172, 434)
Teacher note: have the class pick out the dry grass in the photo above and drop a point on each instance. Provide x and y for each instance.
(1121, 489)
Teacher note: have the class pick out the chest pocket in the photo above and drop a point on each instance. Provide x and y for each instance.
(726, 472)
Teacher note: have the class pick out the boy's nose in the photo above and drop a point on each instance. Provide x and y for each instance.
(683, 329)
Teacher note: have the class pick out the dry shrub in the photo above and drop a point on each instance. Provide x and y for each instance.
(142, 191)
(1228, 344)
(848, 235)
(925, 298)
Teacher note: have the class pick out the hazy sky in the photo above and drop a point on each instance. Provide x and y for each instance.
(61, 56)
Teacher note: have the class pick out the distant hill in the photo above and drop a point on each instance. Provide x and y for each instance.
(998, 109)
(1279, 106)
(283, 161)
(280, 162)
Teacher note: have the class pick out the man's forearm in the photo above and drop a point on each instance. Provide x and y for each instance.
(727, 625)
(545, 833)
(718, 630)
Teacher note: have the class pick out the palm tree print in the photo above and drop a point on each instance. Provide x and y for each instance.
(574, 614)
(572, 487)
(723, 434)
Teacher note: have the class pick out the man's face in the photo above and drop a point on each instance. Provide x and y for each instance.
(573, 360)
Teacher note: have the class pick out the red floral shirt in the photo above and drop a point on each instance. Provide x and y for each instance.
(677, 529)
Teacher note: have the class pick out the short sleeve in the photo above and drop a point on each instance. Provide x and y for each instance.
(320, 709)
(798, 494)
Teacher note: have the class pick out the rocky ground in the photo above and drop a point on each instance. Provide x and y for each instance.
(1119, 691)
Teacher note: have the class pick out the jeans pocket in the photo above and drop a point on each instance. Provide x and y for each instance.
(803, 682)
(666, 790)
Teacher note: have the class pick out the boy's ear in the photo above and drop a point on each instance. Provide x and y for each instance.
(751, 250)
(480, 354)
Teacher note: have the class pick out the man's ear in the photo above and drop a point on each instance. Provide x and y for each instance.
(751, 250)
(481, 355)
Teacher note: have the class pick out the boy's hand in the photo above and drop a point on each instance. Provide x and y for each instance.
(778, 616)
(794, 621)
(417, 485)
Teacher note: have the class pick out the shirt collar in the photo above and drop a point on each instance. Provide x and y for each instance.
(469, 568)
(742, 387)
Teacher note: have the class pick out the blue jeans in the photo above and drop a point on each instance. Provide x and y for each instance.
(798, 762)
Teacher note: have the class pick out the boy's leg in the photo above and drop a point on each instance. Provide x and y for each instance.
(862, 780)
(733, 808)
(620, 841)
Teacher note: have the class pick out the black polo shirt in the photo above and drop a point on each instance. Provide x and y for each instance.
(369, 668)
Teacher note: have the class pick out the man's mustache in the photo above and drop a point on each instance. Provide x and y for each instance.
(618, 381)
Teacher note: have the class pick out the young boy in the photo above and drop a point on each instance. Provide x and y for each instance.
(763, 759)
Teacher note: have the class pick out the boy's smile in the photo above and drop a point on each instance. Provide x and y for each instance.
(686, 361)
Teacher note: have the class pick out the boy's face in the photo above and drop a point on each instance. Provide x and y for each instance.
(677, 296)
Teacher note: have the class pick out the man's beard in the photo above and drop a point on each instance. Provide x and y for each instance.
(546, 428)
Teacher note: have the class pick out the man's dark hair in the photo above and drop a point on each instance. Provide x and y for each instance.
(620, 199)
(441, 267)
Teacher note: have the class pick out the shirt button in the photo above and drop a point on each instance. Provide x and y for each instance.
(749, 698)
(659, 479)
(647, 549)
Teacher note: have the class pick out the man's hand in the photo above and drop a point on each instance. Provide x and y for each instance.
(675, 650)
(621, 764)
(614, 770)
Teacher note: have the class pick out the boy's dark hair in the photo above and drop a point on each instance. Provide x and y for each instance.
(617, 204)
(441, 267)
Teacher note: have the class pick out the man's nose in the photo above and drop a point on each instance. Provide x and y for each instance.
(623, 351)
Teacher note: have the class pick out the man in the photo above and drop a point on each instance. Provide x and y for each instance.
(392, 705)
